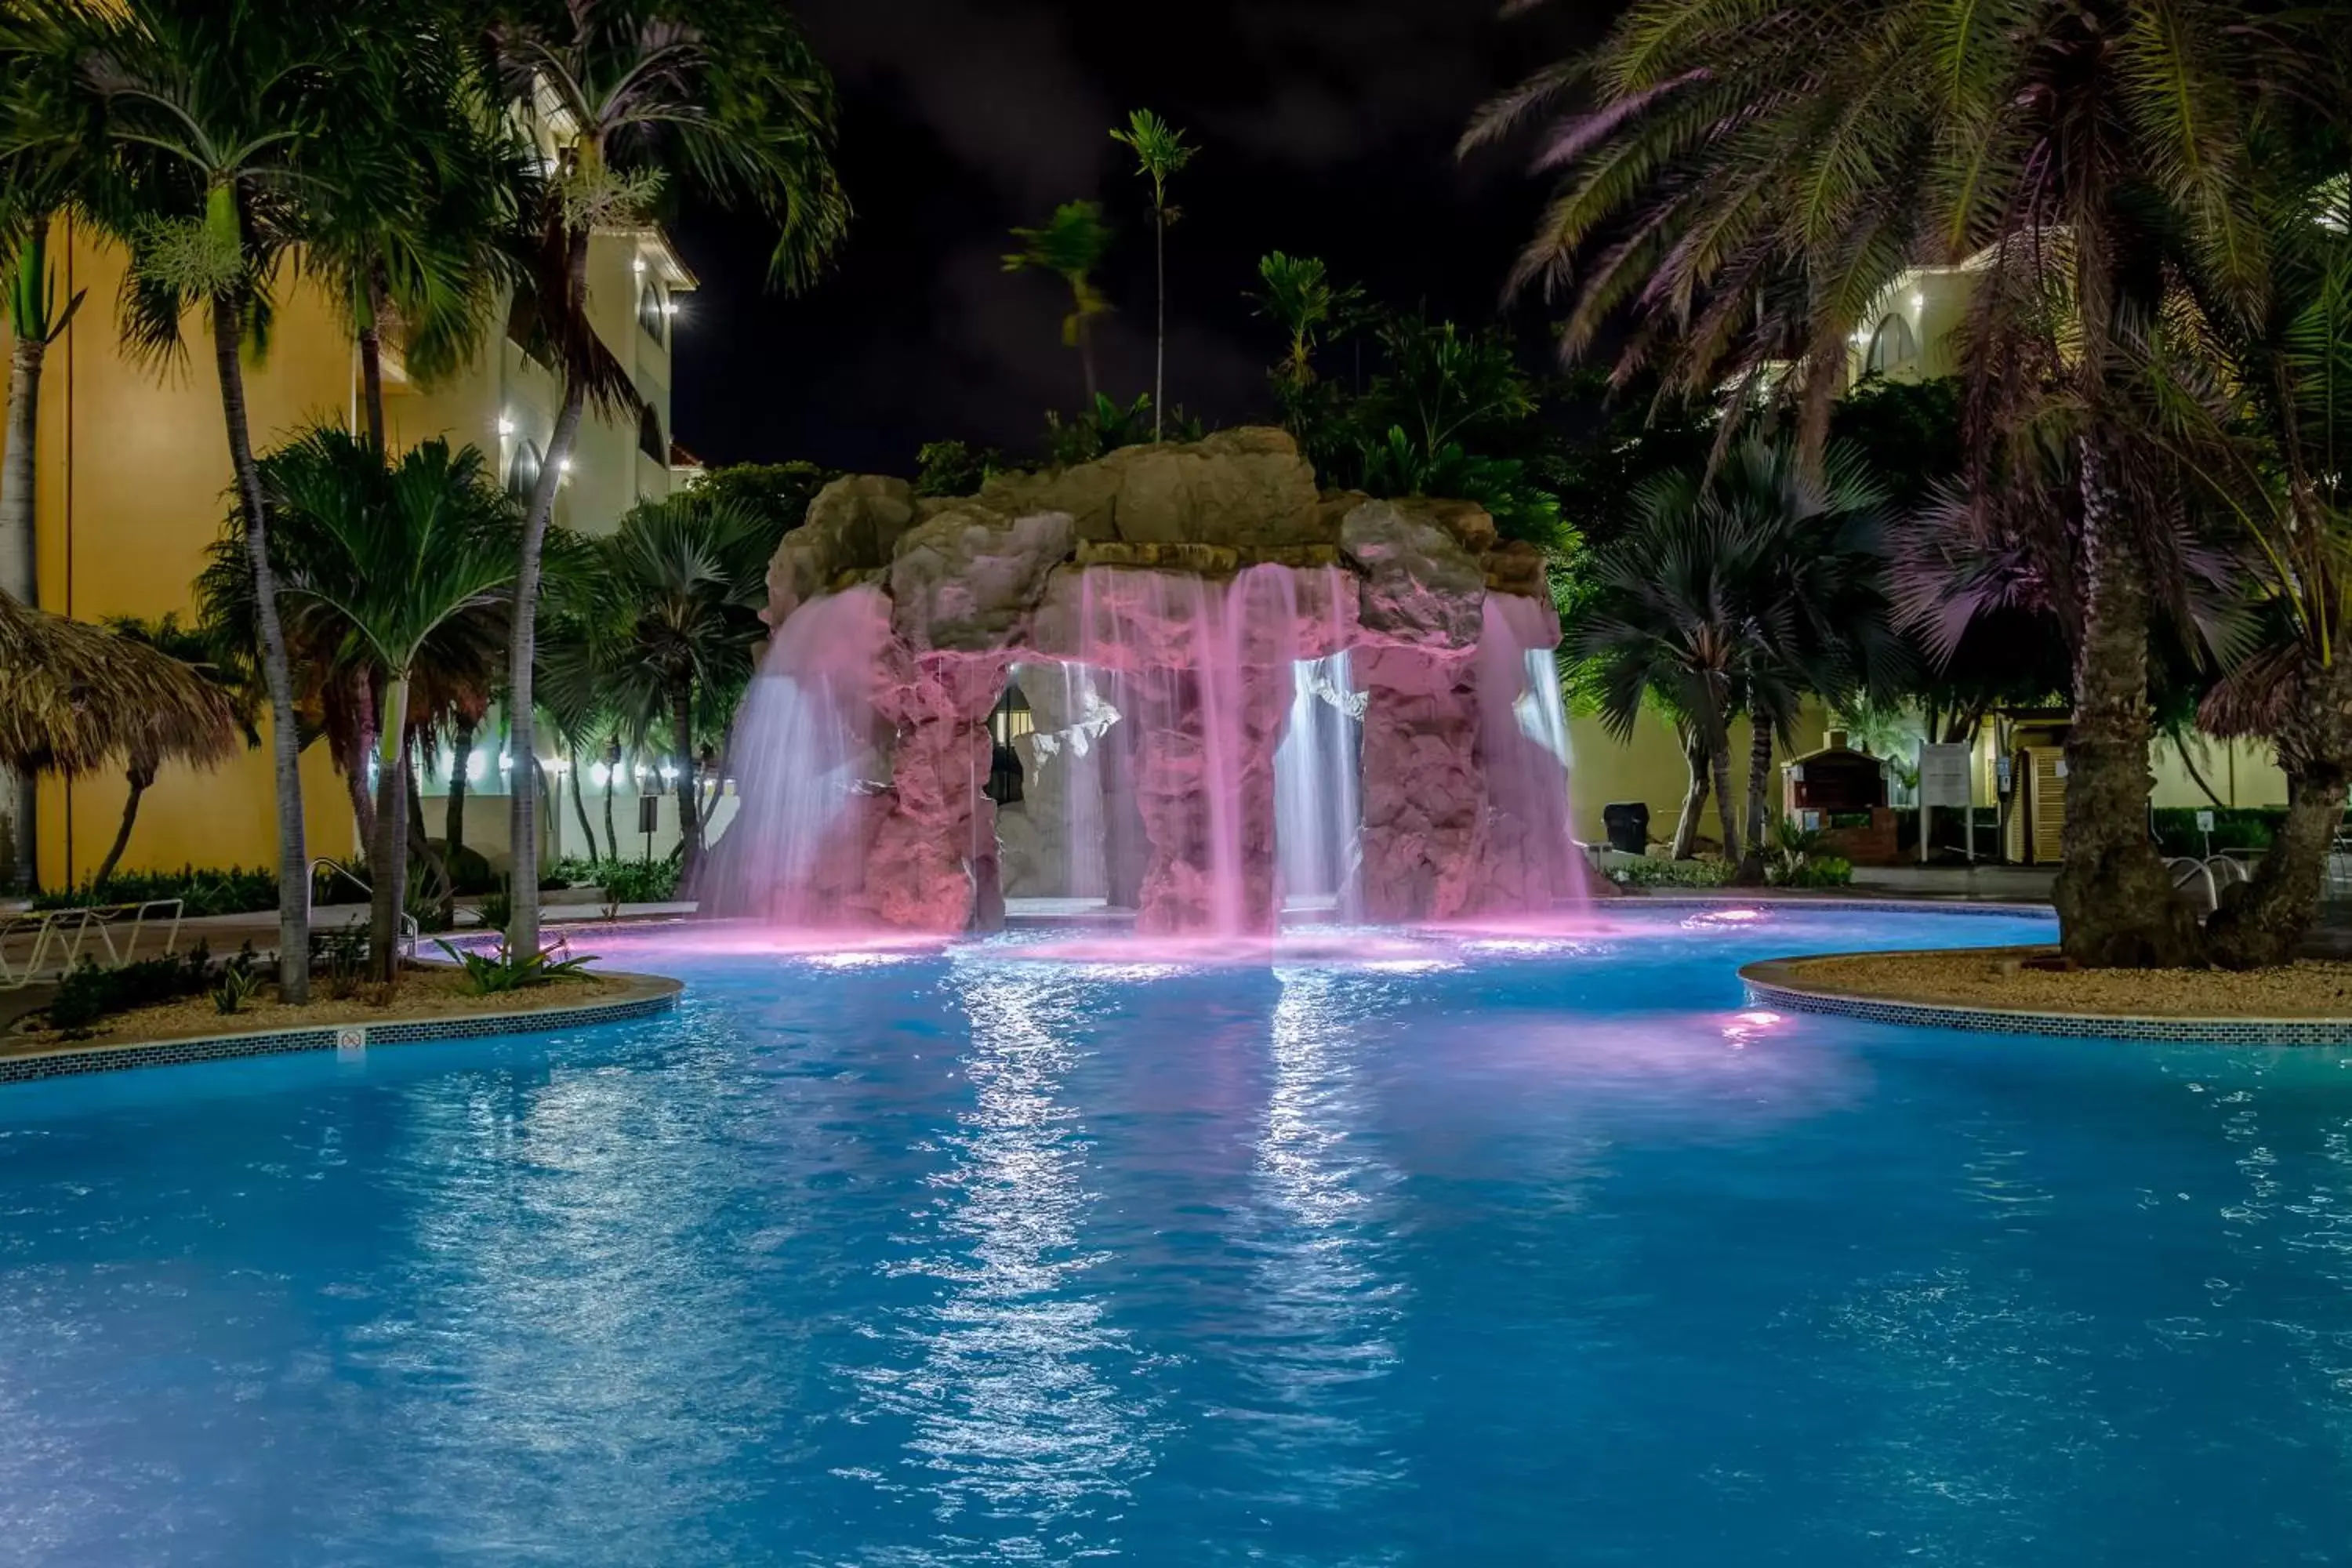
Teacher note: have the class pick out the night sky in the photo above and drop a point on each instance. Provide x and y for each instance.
(1326, 127)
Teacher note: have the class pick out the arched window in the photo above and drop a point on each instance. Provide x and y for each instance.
(653, 312)
(522, 472)
(650, 440)
(1892, 347)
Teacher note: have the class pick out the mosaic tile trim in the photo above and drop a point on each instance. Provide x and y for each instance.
(1989, 1021)
(327, 1038)
(1881, 905)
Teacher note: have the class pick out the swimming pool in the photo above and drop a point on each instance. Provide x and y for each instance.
(1492, 1252)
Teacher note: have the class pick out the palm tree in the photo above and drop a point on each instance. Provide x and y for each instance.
(1742, 590)
(392, 556)
(1070, 246)
(1664, 625)
(1301, 299)
(667, 613)
(46, 136)
(211, 112)
(1159, 152)
(624, 97)
(2268, 435)
(1749, 191)
(193, 649)
(412, 224)
(1815, 612)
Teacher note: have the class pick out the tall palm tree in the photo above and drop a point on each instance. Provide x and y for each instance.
(213, 111)
(412, 224)
(1748, 189)
(194, 647)
(667, 609)
(1070, 245)
(1816, 614)
(48, 133)
(625, 99)
(393, 554)
(1160, 150)
(2268, 437)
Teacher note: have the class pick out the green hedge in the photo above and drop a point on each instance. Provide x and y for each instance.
(2240, 827)
(1652, 871)
(208, 890)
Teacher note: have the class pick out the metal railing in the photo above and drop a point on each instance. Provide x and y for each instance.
(54, 940)
(2188, 869)
(410, 932)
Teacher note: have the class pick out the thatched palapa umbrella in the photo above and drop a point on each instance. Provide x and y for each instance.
(74, 697)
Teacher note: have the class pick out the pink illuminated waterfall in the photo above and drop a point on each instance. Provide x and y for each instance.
(1523, 741)
(808, 770)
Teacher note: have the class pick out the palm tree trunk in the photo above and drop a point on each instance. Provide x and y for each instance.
(612, 837)
(20, 580)
(140, 778)
(523, 803)
(688, 787)
(1759, 770)
(2263, 923)
(2116, 905)
(453, 824)
(1160, 318)
(580, 804)
(354, 762)
(388, 854)
(1694, 798)
(1720, 760)
(1085, 336)
(285, 745)
(370, 346)
(420, 849)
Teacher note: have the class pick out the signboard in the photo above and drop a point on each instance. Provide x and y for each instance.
(1945, 777)
(2204, 822)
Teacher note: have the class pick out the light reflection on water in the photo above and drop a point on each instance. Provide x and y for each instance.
(1454, 1248)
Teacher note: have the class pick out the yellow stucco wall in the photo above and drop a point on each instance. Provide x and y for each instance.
(133, 475)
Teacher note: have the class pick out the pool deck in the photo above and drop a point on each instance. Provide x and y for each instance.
(635, 996)
(1785, 984)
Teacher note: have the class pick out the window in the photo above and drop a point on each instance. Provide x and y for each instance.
(653, 312)
(522, 473)
(1892, 347)
(649, 435)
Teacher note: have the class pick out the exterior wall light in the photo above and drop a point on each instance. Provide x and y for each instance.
(564, 467)
(474, 762)
(506, 425)
(637, 266)
(601, 774)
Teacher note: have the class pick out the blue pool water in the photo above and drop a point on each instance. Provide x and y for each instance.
(1529, 1254)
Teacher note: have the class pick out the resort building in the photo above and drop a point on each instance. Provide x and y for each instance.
(134, 475)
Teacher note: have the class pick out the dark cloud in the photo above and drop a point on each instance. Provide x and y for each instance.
(1325, 126)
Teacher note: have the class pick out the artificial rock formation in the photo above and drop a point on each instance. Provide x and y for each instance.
(1158, 603)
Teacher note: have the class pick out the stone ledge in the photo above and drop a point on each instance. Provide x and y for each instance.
(1782, 982)
(644, 994)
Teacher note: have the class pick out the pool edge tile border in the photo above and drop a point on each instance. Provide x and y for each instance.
(1764, 991)
(341, 1038)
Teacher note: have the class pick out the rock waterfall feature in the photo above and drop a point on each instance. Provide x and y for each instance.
(1236, 695)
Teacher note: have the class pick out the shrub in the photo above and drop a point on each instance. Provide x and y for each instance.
(1796, 859)
(237, 987)
(954, 468)
(89, 993)
(503, 970)
(1653, 871)
(637, 881)
(338, 955)
(208, 890)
